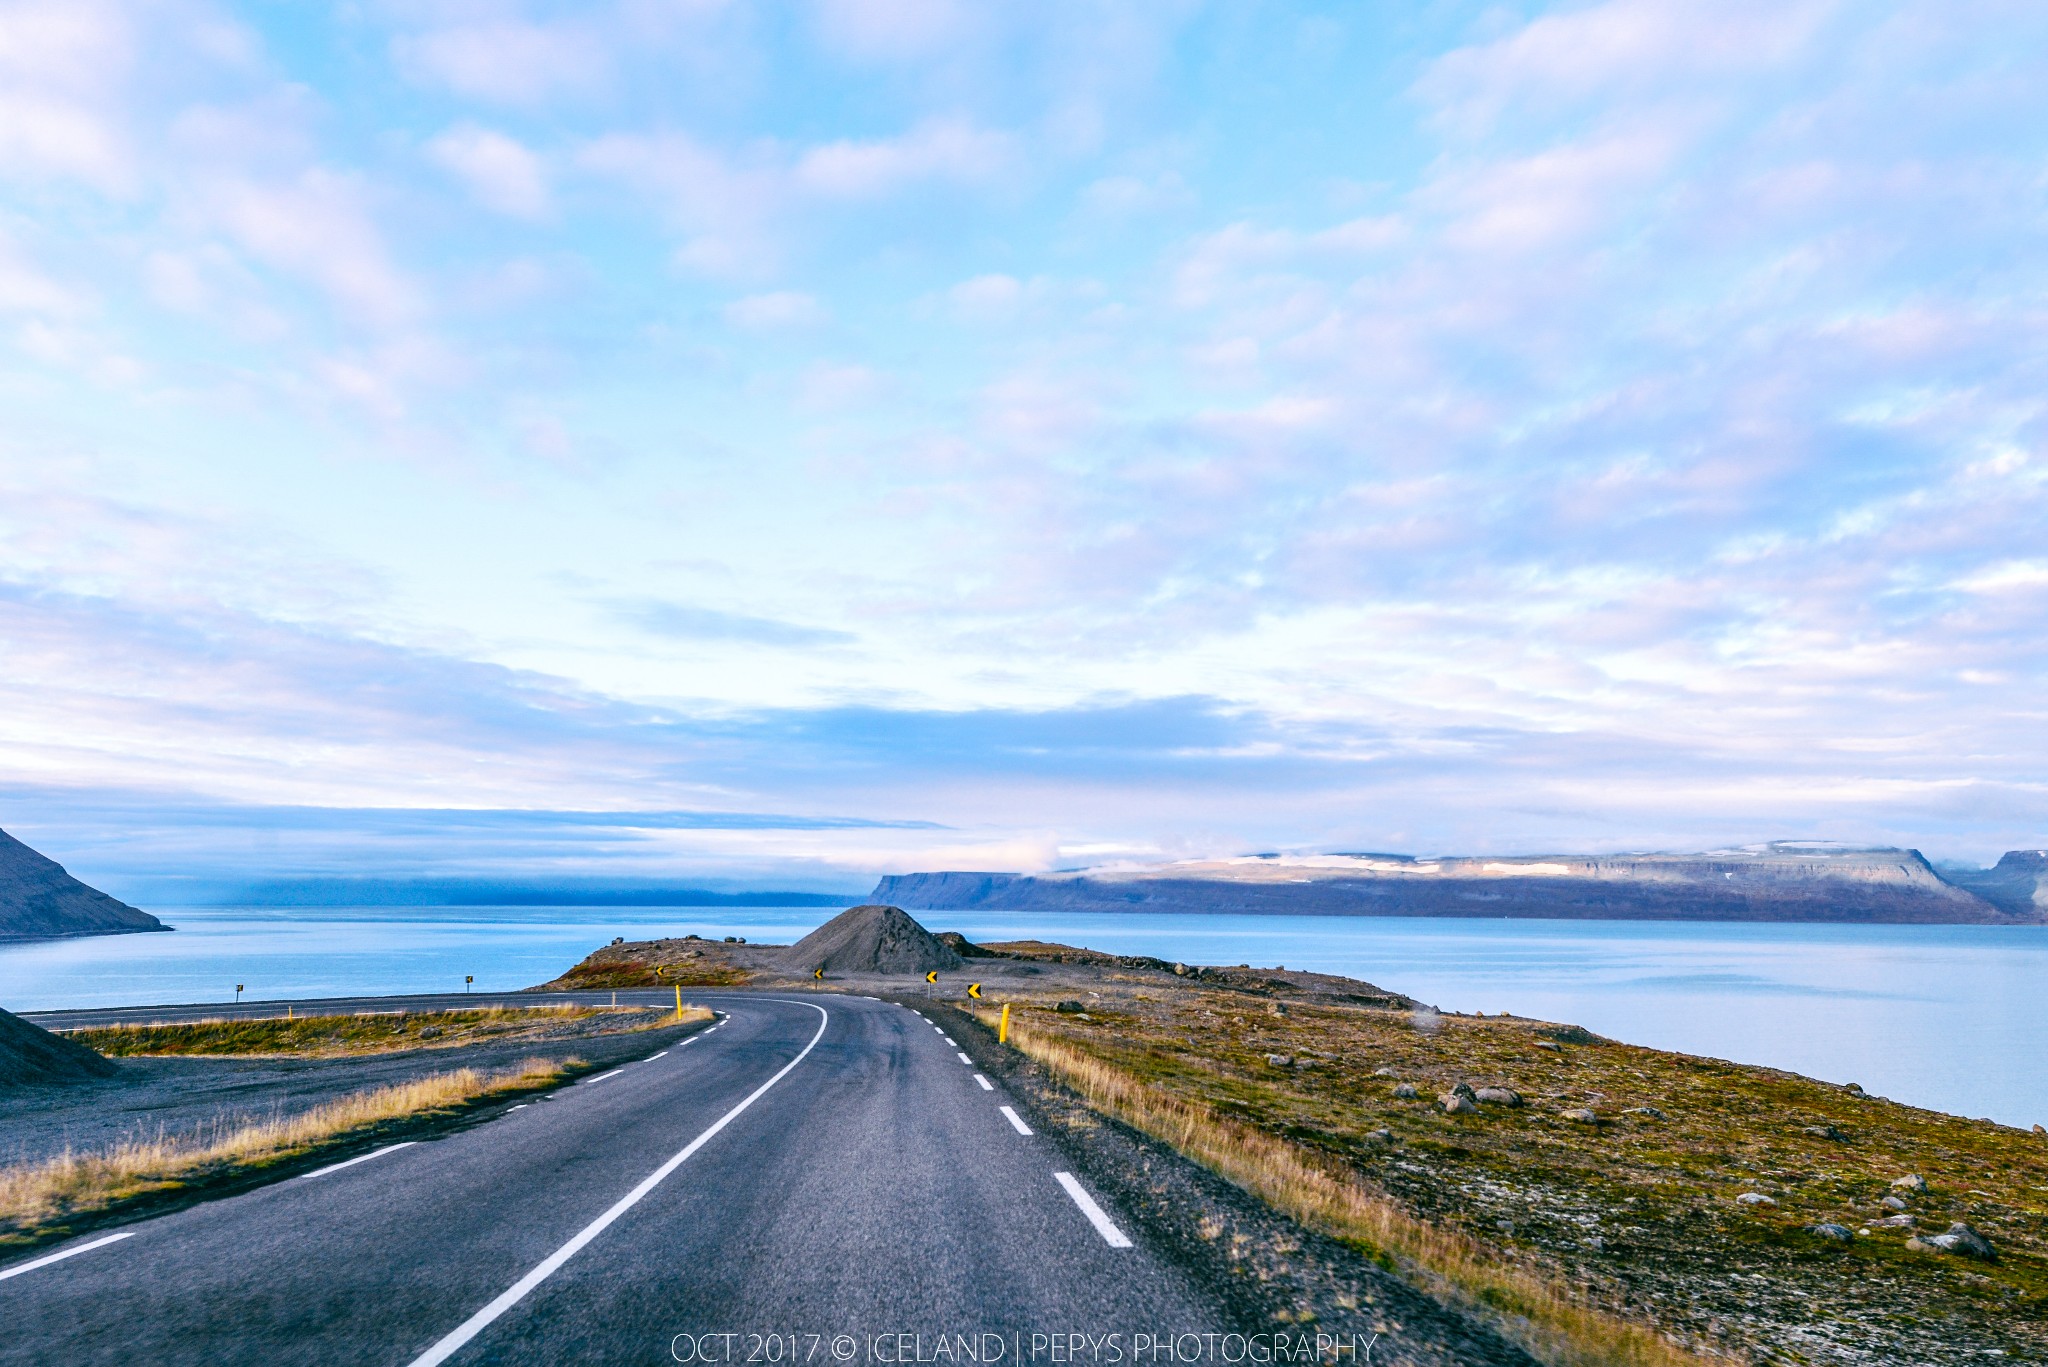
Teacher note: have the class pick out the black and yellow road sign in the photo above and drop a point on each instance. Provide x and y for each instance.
(818, 973)
(974, 991)
(932, 976)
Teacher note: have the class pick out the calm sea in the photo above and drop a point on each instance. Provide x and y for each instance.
(1950, 1017)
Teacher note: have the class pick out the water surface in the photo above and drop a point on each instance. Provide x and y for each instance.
(1951, 1017)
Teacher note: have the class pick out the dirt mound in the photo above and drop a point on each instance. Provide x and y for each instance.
(29, 1053)
(870, 939)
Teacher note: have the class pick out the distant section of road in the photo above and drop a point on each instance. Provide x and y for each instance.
(820, 1167)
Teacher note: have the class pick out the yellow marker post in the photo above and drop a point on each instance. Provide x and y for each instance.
(974, 991)
(1003, 1030)
(679, 1002)
(932, 976)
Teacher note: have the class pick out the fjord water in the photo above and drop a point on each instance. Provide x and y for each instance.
(1950, 1017)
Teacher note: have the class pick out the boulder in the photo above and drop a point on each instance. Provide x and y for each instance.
(1912, 1182)
(1828, 1229)
(1892, 1203)
(1380, 1136)
(1828, 1132)
(1280, 1060)
(1754, 1198)
(1651, 1111)
(1454, 1104)
(1582, 1115)
(1404, 1092)
(1463, 1089)
(1959, 1238)
(1497, 1096)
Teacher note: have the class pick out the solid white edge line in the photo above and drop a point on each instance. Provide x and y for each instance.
(602, 1076)
(1019, 1126)
(518, 1291)
(652, 1057)
(986, 1085)
(361, 1158)
(966, 1060)
(1104, 1226)
(59, 1257)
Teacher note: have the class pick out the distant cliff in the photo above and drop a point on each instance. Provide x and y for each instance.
(39, 901)
(2017, 883)
(1779, 882)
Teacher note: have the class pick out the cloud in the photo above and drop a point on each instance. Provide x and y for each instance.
(506, 61)
(499, 171)
(890, 30)
(318, 227)
(938, 149)
(62, 68)
(679, 621)
(775, 310)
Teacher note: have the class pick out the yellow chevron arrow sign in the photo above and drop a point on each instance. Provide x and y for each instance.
(818, 973)
(932, 976)
(974, 990)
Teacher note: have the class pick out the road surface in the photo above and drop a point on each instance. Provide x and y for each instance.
(816, 1180)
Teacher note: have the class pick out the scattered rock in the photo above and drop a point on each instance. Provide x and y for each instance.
(1280, 1060)
(1827, 1132)
(1380, 1136)
(2039, 1130)
(1852, 1087)
(1960, 1238)
(1384, 1072)
(1553, 1048)
(1912, 1182)
(1827, 1229)
(1582, 1115)
(1498, 1096)
(430, 1032)
(1276, 1008)
(1650, 1111)
(618, 939)
(1754, 1198)
(1892, 1203)
(1463, 1089)
(1454, 1104)
(1895, 1222)
(1404, 1092)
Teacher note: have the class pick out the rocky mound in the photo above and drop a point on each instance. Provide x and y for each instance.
(2018, 883)
(29, 1053)
(870, 939)
(39, 901)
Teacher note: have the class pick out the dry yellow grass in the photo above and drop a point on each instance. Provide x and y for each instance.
(38, 1194)
(1521, 1300)
(384, 1032)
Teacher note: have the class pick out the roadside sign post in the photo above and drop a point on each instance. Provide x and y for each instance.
(238, 994)
(467, 979)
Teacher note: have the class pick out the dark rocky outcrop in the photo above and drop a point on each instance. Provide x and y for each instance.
(30, 1054)
(870, 939)
(1787, 881)
(39, 901)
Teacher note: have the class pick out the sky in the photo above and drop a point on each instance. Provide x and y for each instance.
(775, 445)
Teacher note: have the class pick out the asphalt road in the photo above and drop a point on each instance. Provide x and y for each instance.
(807, 1183)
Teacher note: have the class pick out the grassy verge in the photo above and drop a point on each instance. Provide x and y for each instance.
(58, 1193)
(373, 1033)
(1524, 1301)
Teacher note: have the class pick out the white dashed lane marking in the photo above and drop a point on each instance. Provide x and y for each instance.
(1019, 1126)
(59, 1257)
(1104, 1226)
(966, 1060)
(986, 1085)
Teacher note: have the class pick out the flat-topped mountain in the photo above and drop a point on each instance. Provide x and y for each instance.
(1782, 881)
(2017, 883)
(39, 901)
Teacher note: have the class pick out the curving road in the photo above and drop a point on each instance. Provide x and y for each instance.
(821, 1180)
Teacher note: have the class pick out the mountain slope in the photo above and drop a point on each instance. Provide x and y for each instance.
(39, 901)
(1785, 881)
